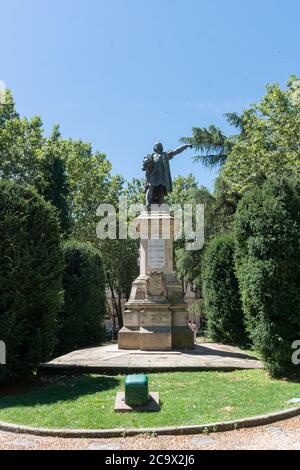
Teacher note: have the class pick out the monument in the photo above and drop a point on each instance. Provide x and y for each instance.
(156, 316)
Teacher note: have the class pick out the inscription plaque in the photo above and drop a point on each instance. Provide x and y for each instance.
(156, 254)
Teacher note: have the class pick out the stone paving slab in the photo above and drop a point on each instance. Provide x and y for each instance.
(108, 358)
(97, 446)
(201, 441)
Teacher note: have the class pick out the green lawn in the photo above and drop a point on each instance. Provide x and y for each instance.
(186, 398)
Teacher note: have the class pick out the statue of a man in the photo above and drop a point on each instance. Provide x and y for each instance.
(158, 176)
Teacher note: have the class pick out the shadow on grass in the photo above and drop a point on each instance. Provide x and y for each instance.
(16, 386)
(67, 389)
(294, 379)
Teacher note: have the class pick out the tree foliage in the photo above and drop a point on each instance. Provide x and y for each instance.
(212, 145)
(189, 262)
(56, 186)
(27, 156)
(135, 191)
(30, 277)
(80, 319)
(268, 267)
(21, 145)
(121, 269)
(221, 292)
(270, 145)
(90, 184)
(68, 173)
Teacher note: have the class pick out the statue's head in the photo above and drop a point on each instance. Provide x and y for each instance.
(158, 147)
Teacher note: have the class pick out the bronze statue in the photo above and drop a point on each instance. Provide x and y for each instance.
(158, 176)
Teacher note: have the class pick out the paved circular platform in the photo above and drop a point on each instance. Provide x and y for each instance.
(110, 359)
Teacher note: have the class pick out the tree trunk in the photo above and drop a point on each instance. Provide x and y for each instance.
(120, 313)
(114, 307)
(112, 316)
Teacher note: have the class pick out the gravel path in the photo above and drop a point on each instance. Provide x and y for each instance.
(282, 435)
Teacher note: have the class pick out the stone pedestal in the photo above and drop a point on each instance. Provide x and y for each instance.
(156, 317)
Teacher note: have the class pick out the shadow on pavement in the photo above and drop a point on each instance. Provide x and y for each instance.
(213, 351)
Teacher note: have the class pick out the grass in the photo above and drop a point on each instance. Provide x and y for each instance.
(186, 398)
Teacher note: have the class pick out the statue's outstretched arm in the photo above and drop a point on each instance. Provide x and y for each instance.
(179, 150)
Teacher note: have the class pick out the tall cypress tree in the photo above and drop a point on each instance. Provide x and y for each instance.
(56, 188)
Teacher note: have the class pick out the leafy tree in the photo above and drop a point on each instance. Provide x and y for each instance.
(212, 145)
(30, 277)
(21, 143)
(7, 108)
(80, 320)
(188, 262)
(120, 270)
(267, 144)
(135, 191)
(267, 229)
(184, 190)
(213, 149)
(67, 173)
(270, 146)
(221, 292)
(90, 184)
(27, 156)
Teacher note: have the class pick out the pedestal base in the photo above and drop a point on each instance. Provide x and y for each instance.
(129, 339)
(156, 316)
(180, 338)
(155, 323)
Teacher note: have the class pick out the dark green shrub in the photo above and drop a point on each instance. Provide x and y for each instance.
(80, 321)
(221, 293)
(30, 277)
(267, 228)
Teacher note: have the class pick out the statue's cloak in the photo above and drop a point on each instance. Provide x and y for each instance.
(158, 172)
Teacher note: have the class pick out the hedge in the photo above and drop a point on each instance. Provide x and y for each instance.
(80, 320)
(267, 229)
(30, 277)
(221, 293)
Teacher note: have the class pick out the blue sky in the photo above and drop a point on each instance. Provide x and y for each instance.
(122, 74)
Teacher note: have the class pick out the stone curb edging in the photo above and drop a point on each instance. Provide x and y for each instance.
(172, 430)
(68, 369)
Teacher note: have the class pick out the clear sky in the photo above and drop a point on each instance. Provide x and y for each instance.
(125, 73)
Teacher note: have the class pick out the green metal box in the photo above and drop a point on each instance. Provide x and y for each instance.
(136, 390)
